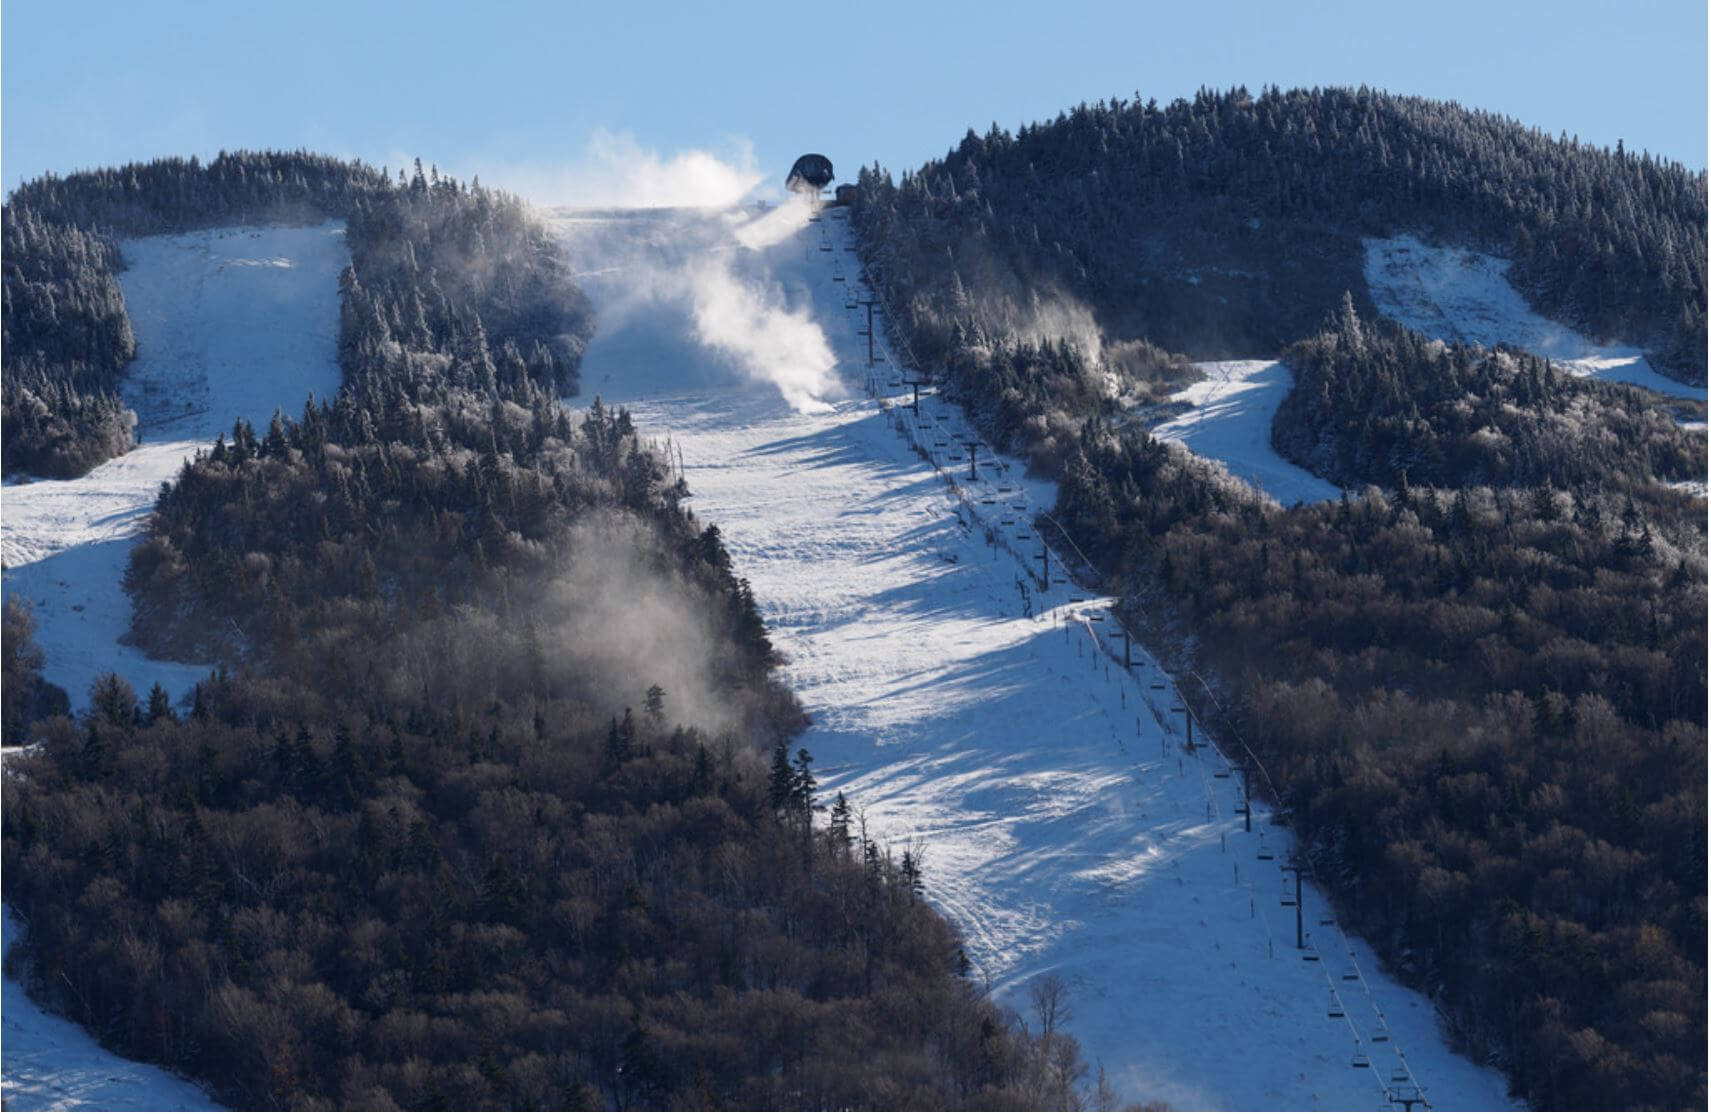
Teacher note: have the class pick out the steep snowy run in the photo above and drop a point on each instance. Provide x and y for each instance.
(971, 713)
(230, 323)
(1457, 295)
(1229, 421)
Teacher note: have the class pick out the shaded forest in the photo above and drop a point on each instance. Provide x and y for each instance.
(1375, 403)
(496, 806)
(1480, 692)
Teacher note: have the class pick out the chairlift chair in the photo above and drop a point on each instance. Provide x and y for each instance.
(1361, 1059)
(1288, 898)
(1334, 1011)
(1350, 974)
(1381, 1035)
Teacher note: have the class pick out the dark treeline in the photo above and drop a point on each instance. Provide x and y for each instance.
(67, 339)
(1484, 712)
(1481, 697)
(484, 818)
(24, 696)
(1377, 403)
(1229, 225)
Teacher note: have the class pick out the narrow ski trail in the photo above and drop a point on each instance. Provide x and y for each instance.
(969, 712)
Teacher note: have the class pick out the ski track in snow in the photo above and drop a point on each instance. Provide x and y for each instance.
(1066, 827)
(1230, 422)
(1458, 295)
(230, 323)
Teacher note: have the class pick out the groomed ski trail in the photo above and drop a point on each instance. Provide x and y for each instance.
(967, 711)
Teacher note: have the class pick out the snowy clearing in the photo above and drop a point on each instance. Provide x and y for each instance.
(1066, 826)
(1230, 422)
(1458, 295)
(230, 323)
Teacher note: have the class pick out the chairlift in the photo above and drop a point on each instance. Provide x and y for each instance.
(1350, 974)
(1025, 537)
(1399, 1074)
(1334, 1011)
(1309, 954)
(1265, 854)
(1288, 896)
(1361, 1059)
(1223, 769)
(1381, 1034)
(1326, 920)
(1160, 685)
(837, 278)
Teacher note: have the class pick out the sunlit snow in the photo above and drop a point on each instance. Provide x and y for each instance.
(229, 323)
(967, 711)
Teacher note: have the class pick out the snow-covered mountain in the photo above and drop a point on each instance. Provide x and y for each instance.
(1066, 828)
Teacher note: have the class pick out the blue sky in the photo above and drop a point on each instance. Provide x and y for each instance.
(540, 96)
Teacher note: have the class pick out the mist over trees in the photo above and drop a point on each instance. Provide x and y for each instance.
(478, 815)
(1480, 691)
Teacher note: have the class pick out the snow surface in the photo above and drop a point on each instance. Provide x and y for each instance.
(1230, 422)
(52, 1064)
(965, 709)
(230, 323)
(1458, 295)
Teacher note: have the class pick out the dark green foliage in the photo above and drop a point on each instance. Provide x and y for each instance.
(65, 340)
(1376, 403)
(1483, 708)
(1485, 712)
(24, 696)
(417, 853)
(1229, 225)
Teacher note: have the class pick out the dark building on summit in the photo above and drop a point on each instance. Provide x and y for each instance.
(810, 174)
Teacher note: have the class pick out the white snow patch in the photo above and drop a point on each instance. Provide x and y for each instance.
(230, 323)
(1230, 422)
(1066, 827)
(52, 1064)
(1458, 295)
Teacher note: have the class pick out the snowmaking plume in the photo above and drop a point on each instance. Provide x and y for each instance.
(616, 171)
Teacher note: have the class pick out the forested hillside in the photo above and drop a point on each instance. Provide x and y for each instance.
(1375, 403)
(1229, 225)
(482, 814)
(66, 337)
(1479, 694)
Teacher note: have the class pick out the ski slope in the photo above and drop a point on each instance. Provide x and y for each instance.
(967, 710)
(1229, 421)
(1457, 295)
(230, 323)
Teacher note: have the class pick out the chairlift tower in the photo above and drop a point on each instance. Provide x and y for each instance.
(1294, 864)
